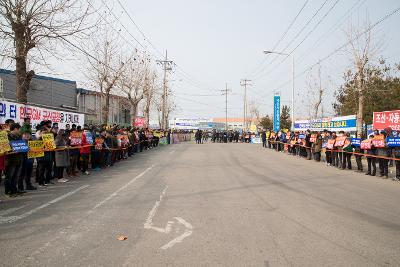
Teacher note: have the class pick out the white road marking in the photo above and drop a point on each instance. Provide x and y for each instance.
(149, 221)
(149, 224)
(172, 152)
(121, 188)
(188, 232)
(12, 219)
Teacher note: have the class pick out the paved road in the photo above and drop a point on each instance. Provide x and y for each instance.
(207, 205)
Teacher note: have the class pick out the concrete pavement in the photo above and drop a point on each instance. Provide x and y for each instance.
(207, 205)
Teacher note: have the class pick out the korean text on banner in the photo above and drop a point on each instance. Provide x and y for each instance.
(379, 141)
(140, 122)
(393, 142)
(76, 138)
(19, 146)
(356, 142)
(99, 143)
(330, 144)
(387, 119)
(343, 123)
(36, 149)
(366, 144)
(340, 140)
(4, 143)
(277, 113)
(48, 141)
(17, 112)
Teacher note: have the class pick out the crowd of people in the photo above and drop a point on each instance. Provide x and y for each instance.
(339, 148)
(75, 149)
(217, 136)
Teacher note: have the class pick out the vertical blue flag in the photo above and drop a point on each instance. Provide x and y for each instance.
(277, 113)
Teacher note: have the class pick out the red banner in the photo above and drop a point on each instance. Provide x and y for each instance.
(330, 144)
(366, 144)
(140, 122)
(379, 141)
(340, 140)
(387, 119)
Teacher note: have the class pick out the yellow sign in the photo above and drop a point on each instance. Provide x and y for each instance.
(35, 149)
(4, 143)
(48, 141)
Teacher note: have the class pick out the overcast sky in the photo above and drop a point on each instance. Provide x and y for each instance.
(219, 41)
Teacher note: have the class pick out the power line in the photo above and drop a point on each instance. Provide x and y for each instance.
(283, 35)
(393, 12)
(307, 35)
(257, 75)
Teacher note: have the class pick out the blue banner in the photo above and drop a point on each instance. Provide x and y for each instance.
(393, 141)
(344, 123)
(19, 146)
(277, 113)
(356, 142)
(89, 137)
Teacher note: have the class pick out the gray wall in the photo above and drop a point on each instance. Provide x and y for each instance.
(45, 91)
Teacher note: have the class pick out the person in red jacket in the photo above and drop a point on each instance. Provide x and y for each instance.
(85, 152)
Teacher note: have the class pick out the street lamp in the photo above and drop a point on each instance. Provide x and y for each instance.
(284, 54)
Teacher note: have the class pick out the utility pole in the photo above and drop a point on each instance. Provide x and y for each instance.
(225, 93)
(167, 66)
(245, 83)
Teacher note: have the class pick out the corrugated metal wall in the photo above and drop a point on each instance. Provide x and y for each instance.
(43, 90)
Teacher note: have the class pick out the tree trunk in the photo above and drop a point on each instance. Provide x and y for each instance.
(134, 106)
(147, 111)
(361, 100)
(106, 108)
(22, 79)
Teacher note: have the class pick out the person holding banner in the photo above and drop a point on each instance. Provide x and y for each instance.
(45, 163)
(27, 165)
(13, 164)
(382, 151)
(357, 149)
(85, 151)
(347, 152)
(371, 150)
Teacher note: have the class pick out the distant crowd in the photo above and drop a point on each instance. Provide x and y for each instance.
(68, 152)
(380, 147)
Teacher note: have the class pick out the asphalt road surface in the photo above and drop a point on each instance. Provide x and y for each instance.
(207, 205)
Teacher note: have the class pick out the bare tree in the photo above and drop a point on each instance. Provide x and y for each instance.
(135, 81)
(26, 25)
(315, 94)
(105, 68)
(362, 49)
(170, 107)
(254, 111)
(150, 89)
